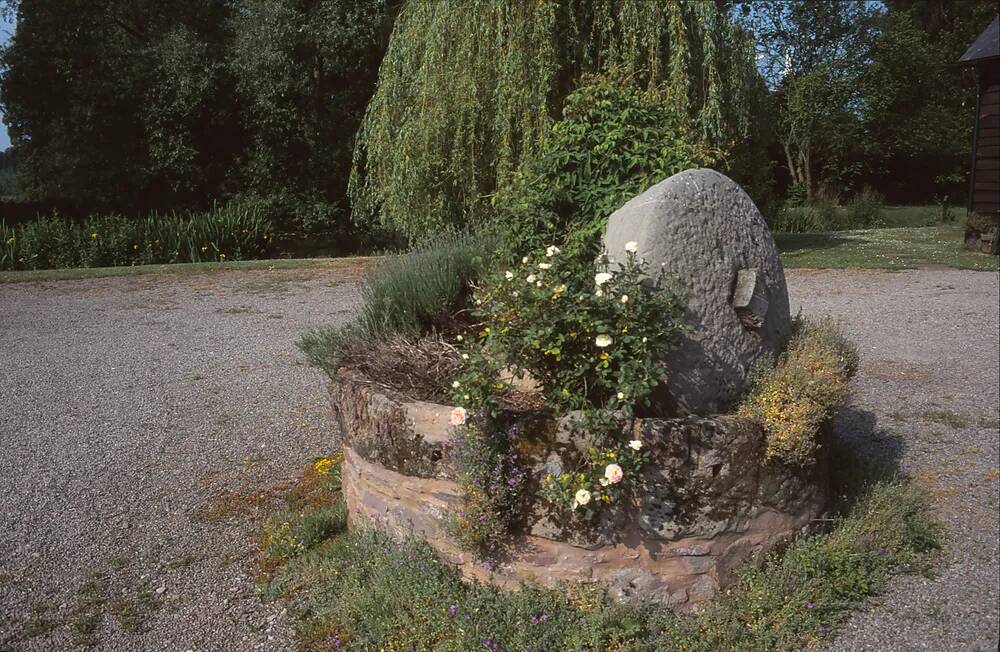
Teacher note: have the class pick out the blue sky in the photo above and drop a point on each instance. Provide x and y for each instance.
(6, 29)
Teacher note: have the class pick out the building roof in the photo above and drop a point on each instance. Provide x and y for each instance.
(987, 46)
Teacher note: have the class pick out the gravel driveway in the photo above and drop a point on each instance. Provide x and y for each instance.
(129, 405)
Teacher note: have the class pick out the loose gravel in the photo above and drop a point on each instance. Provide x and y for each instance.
(927, 398)
(128, 406)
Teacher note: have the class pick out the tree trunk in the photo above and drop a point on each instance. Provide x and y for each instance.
(807, 169)
(792, 168)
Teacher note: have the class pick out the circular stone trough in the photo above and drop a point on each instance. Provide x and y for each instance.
(707, 500)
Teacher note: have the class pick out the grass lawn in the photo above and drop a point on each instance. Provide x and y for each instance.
(886, 248)
(179, 268)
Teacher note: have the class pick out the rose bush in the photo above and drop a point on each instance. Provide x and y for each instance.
(592, 335)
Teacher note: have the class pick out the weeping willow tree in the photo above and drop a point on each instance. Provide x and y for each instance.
(469, 89)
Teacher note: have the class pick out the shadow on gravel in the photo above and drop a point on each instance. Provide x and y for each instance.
(856, 434)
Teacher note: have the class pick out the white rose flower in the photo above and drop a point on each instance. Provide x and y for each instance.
(544, 266)
(582, 498)
(465, 356)
(613, 473)
(624, 298)
(456, 385)
(508, 275)
(551, 251)
(515, 293)
(604, 482)
(621, 396)
(603, 341)
(602, 278)
(599, 293)
(524, 260)
(632, 246)
(635, 444)
(538, 284)
(458, 416)
(531, 278)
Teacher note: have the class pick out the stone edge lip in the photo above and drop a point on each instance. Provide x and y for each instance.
(431, 422)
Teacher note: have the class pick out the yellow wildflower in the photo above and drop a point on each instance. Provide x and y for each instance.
(323, 466)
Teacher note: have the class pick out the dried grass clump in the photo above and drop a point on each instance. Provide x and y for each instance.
(418, 368)
(796, 396)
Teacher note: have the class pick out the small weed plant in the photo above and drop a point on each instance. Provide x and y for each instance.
(793, 398)
(312, 513)
(593, 337)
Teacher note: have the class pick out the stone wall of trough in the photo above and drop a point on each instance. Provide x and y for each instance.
(709, 502)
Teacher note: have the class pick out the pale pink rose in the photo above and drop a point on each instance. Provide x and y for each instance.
(613, 473)
(458, 416)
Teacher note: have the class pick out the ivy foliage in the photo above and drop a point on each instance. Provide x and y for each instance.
(469, 91)
(614, 141)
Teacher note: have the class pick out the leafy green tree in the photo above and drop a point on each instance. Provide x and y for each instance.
(69, 93)
(613, 142)
(93, 98)
(190, 116)
(140, 104)
(469, 90)
(917, 111)
(813, 54)
(8, 174)
(304, 71)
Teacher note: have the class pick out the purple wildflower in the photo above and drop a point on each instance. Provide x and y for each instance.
(453, 609)
(809, 605)
(822, 630)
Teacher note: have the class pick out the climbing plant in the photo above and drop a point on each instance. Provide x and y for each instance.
(613, 142)
(469, 89)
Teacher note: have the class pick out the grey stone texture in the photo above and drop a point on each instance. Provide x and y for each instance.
(705, 503)
(404, 435)
(704, 229)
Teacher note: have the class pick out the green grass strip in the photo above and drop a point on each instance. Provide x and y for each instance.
(894, 249)
(361, 590)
